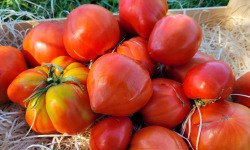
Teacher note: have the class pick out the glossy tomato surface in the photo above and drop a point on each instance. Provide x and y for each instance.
(89, 31)
(242, 86)
(157, 138)
(225, 125)
(44, 43)
(178, 73)
(175, 40)
(212, 80)
(12, 63)
(111, 134)
(168, 106)
(140, 16)
(137, 48)
(118, 85)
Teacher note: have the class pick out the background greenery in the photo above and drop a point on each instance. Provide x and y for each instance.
(61, 8)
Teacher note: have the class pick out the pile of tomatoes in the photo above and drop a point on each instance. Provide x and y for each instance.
(143, 110)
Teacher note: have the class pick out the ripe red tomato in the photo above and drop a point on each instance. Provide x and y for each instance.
(140, 16)
(112, 133)
(175, 40)
(89, 31)
(225, 125)
(118, 85)
(178, 73)
(44, 43)
(168, 105)
(12, 63)
(136, 48)
(242, 86)
(209, 81)
(157, 138)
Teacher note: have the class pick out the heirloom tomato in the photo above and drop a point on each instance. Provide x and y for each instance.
(54, 103)
(44, 43)
(140, 16)
(168, 105)
(157, 138)
(118, 85)
(112, 133)
(137, 48)
(175, 40)
(89, 31)
(12, 63)
(225, 125)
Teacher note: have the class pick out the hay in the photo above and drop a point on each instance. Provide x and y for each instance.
(224, 37)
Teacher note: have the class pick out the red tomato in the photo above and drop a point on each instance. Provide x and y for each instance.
(12, 63)
(175, 40)
(209, 81)
(44, 43)
(242, 86)
(225, 125)
(140, 16)
(178, 73)
(112, 133)
(157, 138)
(136, 48)
(118, 85)
(168, 105)
(89, 31)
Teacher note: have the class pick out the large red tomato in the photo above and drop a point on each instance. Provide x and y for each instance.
(44, 43)
(242, 86)
(175, 40)
(157, 138)
(225, 125)
(89, 31)
(209, 81)
(12, 63)
(168, 105)
(140, 16)
(112, 133)
(118, 85)
(137, 48)
(178, 73)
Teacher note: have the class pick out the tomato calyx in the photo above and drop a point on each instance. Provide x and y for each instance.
(52, 80)
(203, 102)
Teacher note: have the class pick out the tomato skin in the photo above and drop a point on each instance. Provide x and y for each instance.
(225, 126)
(242, 86)
(168, 105)
(140, 16)
(157, 138)
(212, 80)
(118, 85)
(86, 36)
(12, 63)
(178, 73)
(136, 48)
(44, 43)
(179, 36)
(111, 133)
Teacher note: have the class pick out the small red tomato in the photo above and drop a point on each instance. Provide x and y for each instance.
(157, 138)
(137, 48)
(118, 85)
(12, 63)
(242, 86)
(178, 73)
(175, 40)
(112, 133)
(140, 16)
(209, 81)
(89, 31)
(168, 106)
(44, 43)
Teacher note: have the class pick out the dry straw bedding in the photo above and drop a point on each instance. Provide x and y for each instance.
(225, 37)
